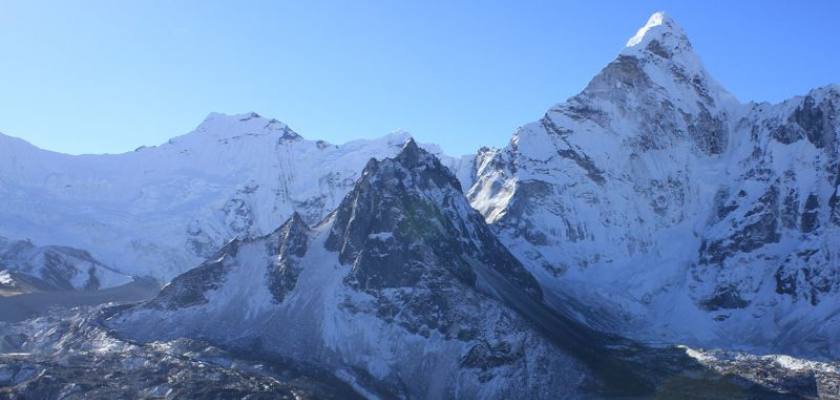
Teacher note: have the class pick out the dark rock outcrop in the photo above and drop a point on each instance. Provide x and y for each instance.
(293, 242)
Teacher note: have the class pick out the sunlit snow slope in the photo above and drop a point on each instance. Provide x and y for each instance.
(404, 284)
(160, 210)
(663, 207)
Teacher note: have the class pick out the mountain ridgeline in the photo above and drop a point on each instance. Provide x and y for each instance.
(680, 213)
(403, 279)
(648, 216)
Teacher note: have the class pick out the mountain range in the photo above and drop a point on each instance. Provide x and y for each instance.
(643, 220)
(158, 211)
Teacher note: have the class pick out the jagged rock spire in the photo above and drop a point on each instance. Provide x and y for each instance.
(415, 199)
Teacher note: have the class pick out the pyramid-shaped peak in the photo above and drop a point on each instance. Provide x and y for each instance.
(296, 218)
(664, 31)
(410, 146)
(412, 155)
(295, 222)
(662, 44)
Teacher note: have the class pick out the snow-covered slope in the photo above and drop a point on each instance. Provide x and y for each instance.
(25, 267)
(403, 287)
(158, 210)
(663, 207)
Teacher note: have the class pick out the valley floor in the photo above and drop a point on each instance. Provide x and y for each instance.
(28, 305)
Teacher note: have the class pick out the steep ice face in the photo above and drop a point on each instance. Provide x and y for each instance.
(767, 265)
(158, 210)
(655, 94)
(654, 197)
(662, 41)
(658, 26)
(612, 165)
(662, 36)
(401, 281)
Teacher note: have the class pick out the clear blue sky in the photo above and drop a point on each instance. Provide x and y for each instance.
(109, 76)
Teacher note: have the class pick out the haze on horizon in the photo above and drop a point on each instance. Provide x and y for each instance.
(102, 77)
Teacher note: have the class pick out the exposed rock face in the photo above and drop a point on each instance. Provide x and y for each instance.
(25, 267)
(282, 276)
(189, 288)
(651, 204)
(657, 194)
(282, 250)
(403, 280)
(158, 210)
(816, 122)
(755, 228)
(412, 208)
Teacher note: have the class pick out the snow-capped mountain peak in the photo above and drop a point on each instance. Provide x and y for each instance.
(403, 280)
(664, 42)
(660, 26)
(656, 186)
(650, 206)
(221, 126)
(669, 60)
(161, 209)
(412, 156)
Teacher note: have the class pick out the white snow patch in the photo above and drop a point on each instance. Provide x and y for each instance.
(6, 278)
(381, 236)
(657, 19)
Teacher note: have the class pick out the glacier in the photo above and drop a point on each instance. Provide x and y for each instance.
(652, 235)
(159, 210)
(667, 210)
